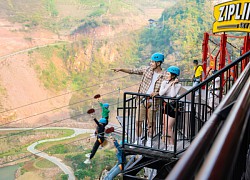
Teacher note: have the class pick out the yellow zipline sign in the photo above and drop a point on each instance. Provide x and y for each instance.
(232, 16)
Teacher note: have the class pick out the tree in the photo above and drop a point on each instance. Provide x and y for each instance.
(64, 176)
(181, 33)
(79, 174)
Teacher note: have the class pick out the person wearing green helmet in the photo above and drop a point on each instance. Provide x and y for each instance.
(169, 88)
(152, 77)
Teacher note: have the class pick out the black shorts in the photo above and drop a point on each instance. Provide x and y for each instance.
(169, 109)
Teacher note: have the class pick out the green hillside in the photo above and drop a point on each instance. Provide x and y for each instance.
(180, 33)
(63, 16)
(109, 33)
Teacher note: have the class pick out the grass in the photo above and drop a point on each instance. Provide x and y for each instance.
(52, 75)
(47, 146)
(43, 163)
(14, 147)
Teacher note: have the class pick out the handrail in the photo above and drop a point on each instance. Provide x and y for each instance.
(203, 83)
(229, 137)
(187, 165)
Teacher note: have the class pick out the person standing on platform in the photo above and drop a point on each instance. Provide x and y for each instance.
(152, 77)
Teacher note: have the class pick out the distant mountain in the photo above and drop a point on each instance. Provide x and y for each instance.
(89, 37)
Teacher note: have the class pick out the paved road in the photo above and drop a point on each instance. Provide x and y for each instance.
(55, 160)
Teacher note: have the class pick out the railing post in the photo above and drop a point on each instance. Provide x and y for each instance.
(176, 125)
(192, 116)
(204, 52)
(123, 128)
(246, 48)
(223, 46)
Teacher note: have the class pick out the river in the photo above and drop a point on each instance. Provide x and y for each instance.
(8, 172)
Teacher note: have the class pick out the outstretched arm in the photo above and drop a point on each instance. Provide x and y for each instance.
(122, 70)
(96, 122)
(138, 71)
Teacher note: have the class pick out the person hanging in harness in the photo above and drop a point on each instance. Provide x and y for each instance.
(152, 76)
(214, 91)
(118, 167)
(169, 88)
(100, 130)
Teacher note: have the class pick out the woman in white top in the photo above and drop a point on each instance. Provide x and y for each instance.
(170, 88)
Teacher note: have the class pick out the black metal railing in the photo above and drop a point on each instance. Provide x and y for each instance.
(188, 166)
(139, 123)
(145, 120)
(231, 145)
(186, 82)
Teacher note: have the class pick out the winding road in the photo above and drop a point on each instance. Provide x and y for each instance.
(66, 169)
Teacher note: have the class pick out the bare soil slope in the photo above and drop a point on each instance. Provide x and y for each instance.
(20, 81)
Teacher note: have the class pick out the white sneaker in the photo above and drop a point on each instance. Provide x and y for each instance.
(138, 142)
(87, 161)
(87, 155)
(170, 148)
(148, 143)
(146, 172)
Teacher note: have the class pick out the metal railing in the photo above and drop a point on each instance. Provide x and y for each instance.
(188, 166)
(145, 121)
(231, 145)
(134, 110)
(193, 109)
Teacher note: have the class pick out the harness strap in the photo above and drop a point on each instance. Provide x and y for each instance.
(100, 141)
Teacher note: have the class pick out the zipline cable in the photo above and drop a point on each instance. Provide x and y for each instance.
(25, 105)
(76, 116)
(62, 107)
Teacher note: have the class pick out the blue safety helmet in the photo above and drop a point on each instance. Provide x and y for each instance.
(125, 141)
(157, 57)
(103, 121)
(174, 70)
(106, 105)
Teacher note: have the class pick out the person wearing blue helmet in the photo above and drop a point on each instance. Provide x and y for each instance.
(118, 167)
(169, 88)
(152, 77)
(100, 137)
